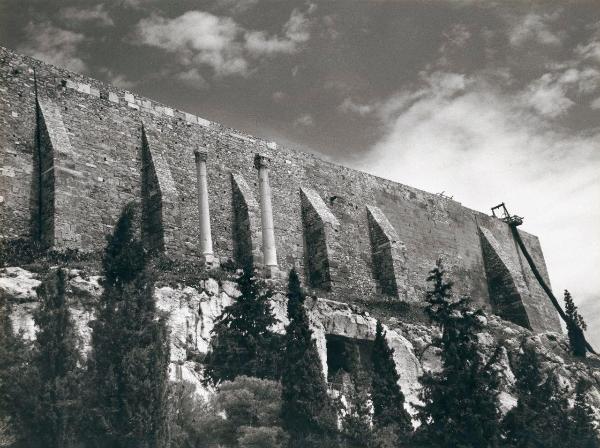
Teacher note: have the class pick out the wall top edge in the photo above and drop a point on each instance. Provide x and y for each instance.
(85, 85)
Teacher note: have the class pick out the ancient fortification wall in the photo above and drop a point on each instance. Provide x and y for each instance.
(74, 151)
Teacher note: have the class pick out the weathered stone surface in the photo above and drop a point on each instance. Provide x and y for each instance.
(192, 313)
(320, 228)
(388, 253)
(94, 134)
(18, 285)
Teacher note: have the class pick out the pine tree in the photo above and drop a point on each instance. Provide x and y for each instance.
(57, 366)
(575, 327)
(127, 366)
(243, 343)
(460, 402)
(582, 421)
(307, 412)
(388, 400)
(17, 382)
(540, 418)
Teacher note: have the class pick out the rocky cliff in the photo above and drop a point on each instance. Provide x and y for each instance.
(193, 310)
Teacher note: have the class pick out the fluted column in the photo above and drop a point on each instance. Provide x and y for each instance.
(206, 247)
(262, 163)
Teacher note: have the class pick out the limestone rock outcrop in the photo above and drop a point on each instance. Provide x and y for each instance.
(193, 311)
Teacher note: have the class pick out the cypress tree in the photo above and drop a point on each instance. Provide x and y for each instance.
(582, 421)
(460, 402)
(541, 415)
(356, 421)
(575, 327)
(242, 341)
(128, 363)
(389, 414)
(18, 384)
(307, 412)
(57, 366)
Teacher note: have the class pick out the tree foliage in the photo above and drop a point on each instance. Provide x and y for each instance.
(541, 415)
(56, 363)
(356, 412)
(575, 327)
(582, 427)
(307, 412)
(460, 402)
(16, 380)
(127, 366)
(244, 413)
(243, 343)
(388, 400)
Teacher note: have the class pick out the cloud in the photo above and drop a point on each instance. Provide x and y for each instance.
(349, 106)
(535, 27)
(305, 120)
(198, 38)
(192, 78)
(96, 15)
(548, 96)
(464, 136)
(54, 45)
(203, 39)
(295, 31)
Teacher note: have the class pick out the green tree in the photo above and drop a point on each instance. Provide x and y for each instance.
(56, 365)
(242, 341)
(460, 402)
(575, 327)
(127, 366)
(307, 412)
(389, 414)
(540, 418)
(582, 426)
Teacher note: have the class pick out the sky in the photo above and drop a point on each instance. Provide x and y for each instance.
(486, 101)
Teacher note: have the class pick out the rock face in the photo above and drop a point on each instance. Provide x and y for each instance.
(192, 314)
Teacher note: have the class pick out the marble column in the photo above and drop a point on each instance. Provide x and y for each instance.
(206, 247)
(262, 163)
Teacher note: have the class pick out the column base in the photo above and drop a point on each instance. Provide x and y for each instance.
(271, 272)
(210, 261)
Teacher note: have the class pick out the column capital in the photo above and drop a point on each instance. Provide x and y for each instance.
(261, 161)
(201, 154)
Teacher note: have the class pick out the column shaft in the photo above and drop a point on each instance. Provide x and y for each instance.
(206, 247)
(266, 212)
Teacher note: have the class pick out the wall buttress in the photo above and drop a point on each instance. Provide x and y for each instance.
(388, 255)
(320, 227)
(246, 223)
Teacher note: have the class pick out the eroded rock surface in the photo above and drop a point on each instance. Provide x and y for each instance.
(192, 313)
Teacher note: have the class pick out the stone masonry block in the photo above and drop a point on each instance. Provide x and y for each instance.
(160, 203)
(388, 254)
(320, 227)
(246, 224)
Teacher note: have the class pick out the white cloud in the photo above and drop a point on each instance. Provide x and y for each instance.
(348, 105)
(295, 30)
(535, 27)
(548, 96)
(203, 39)
(305, 120)
(483, 147)
(192, 78)
(54, 45)
(96, 15)
(198, 38)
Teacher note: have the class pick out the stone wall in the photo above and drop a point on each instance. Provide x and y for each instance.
(109, 147)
